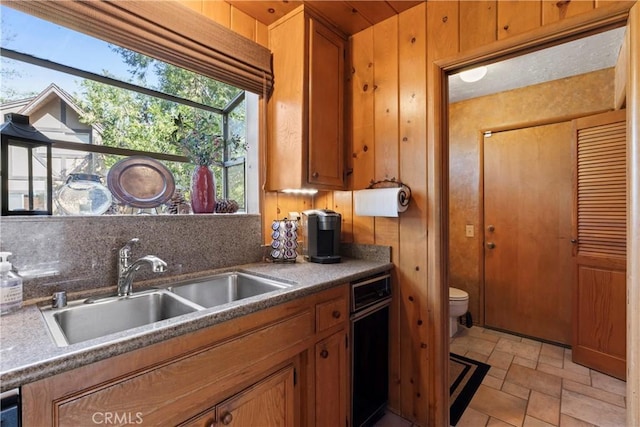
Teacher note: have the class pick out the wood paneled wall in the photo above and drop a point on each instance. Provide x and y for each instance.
(391, 64)
(389, 103)
(230, 17)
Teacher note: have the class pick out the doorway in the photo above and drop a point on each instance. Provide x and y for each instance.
(439, 134)
(527, 231)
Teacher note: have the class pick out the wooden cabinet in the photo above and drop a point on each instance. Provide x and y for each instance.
(269, 402)
(174, 389)
(331, 313)
(305, 147)
(331, 372)
(258, 369)
(331, 363)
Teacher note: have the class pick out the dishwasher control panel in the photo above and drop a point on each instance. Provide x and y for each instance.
(370, 291)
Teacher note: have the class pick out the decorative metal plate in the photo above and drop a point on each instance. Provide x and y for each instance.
(141, 182)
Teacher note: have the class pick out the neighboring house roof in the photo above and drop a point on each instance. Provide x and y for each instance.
(53, 90)
(15, 106)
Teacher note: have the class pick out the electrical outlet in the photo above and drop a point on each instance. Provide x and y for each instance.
(469, 231)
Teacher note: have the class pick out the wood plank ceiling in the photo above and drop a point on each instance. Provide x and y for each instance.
(349, 16)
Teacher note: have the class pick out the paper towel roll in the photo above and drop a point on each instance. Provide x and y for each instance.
(381, 201)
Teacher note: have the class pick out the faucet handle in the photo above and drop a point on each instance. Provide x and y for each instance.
(126, 249)
(59, 299)
(125, 254)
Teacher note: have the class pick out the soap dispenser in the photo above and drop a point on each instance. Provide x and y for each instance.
(10, 287)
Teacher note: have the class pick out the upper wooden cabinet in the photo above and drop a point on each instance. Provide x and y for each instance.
(305, 147)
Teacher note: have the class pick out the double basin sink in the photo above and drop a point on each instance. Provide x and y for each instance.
(93, 318)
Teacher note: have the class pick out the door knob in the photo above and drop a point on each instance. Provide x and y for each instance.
(491, 228)
(491, 245)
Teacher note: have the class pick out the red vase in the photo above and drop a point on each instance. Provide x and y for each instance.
(203, 190)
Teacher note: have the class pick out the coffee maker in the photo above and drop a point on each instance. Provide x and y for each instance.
(321, 236)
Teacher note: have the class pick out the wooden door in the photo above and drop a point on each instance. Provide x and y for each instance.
(599, 334)
(268, 403)
(527, 218)
(331, 381)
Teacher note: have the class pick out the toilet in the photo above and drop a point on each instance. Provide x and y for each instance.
(458, 305)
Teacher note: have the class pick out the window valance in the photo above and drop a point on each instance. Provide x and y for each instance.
(168, 31)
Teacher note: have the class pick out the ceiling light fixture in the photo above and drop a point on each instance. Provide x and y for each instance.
(473, 75)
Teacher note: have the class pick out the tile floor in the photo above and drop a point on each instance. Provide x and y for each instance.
(532, 384)
(392, 420)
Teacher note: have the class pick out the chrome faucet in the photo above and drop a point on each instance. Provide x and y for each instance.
(126, 271)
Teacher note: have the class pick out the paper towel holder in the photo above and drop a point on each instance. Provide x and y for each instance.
(405, 196)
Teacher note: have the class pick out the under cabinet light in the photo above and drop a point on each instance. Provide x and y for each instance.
(303, 191)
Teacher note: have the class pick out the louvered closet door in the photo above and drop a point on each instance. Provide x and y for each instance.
(599, 302)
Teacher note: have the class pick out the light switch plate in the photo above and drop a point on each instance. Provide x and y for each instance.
(469, 231)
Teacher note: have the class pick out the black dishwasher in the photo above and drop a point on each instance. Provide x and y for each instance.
(370, 300)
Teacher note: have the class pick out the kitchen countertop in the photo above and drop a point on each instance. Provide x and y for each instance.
(28, 352)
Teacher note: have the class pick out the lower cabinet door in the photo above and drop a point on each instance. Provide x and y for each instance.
(207, 419)
(331, 379)
(269, 402)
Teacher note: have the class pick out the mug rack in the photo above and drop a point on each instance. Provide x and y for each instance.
(284, 240)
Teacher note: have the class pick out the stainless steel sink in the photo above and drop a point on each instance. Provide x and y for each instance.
(225, 288)
(87, 319)
(81, 321)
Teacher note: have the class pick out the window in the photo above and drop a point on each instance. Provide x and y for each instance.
(100, 103)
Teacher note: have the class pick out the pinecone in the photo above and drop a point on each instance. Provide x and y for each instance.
(226, 206)
(114, 209)
(177, 204)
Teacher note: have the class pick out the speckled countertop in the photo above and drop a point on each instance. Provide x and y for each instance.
(28, 353)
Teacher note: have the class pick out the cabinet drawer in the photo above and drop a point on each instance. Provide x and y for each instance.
(331, 313)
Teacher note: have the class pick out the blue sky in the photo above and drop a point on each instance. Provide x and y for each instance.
(27, 34)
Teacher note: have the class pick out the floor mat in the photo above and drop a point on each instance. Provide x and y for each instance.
(465, 376)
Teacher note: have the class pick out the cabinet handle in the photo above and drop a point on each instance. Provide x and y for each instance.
(315, 175)
(227, 418)
(336, 314)
(324, 354)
